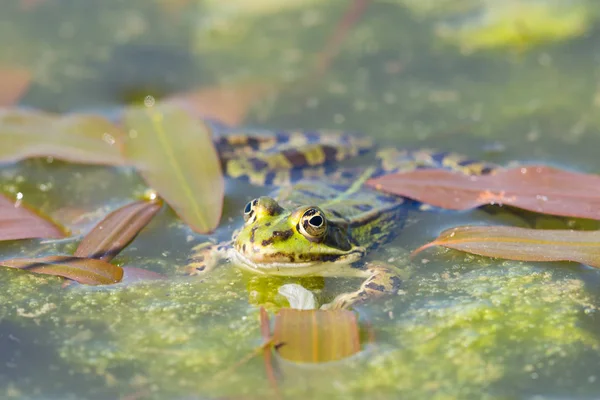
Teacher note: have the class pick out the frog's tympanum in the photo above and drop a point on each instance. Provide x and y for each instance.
(318, 224)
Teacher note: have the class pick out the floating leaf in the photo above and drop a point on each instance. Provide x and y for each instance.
(80, 138)
(535, 188)
(175, 155)
(82, 270)
(117, 230)
(312, 336)
(229, 105)
(14, 82)
(522, 243)
(17, 221)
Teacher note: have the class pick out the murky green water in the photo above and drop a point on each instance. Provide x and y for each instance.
(511, 80)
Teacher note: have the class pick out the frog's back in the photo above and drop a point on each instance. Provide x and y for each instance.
(371, 216)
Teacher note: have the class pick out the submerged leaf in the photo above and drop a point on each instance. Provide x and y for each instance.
(175, 155)
(313, 336)
(535, 188)
(134, 274)
(14, 82)
(117, 230)
(82, 270)
(523, 244)
(19, 222)
(80, 138)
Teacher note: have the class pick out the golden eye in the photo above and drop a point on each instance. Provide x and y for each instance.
(249, 209)
(313, 224)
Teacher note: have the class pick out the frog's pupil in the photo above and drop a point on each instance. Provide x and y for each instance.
(248, 208)
(316, 221)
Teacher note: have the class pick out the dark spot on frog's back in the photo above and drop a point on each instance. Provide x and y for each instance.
(258, 164)
(396, 282)
(330, 153)
(375, 230)
(295, 157)
(270, 178)
(374, 286)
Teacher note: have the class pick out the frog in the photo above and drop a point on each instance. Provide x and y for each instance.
(318, 224)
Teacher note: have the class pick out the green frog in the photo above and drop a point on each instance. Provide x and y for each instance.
(318, 223)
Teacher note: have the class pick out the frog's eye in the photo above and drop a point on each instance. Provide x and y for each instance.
(249, 209)
(313, 224)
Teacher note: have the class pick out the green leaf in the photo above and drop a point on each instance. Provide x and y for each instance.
(82, 270)
(175, 155)
(80, 138)
(522, 244)
(111, 235)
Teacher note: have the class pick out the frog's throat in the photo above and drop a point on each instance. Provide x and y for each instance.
(348, 258)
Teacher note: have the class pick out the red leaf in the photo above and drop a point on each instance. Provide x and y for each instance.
(82, 270)
(229, 105)
(17, 221)
(117, 230)
(14, 83)
(522, 244)
(535, 188)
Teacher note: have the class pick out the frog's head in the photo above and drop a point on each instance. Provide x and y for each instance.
(274, 237)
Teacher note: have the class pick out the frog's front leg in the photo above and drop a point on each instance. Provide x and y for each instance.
(381, 279)
(205, 257)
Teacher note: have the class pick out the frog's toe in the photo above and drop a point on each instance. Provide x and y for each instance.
(343, 301)
(205, 257)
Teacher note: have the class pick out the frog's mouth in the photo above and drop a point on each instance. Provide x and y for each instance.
(295, 268)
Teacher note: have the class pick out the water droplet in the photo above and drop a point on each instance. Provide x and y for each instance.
(541, 197)
(523, 170)
(149, 101)
(108, 138)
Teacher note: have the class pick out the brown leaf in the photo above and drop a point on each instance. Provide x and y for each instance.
(229, 105)
(117, 230)
(88, 139)
(14, 83)
(535, 188)
(312, 336)
(82, 270)
(17, 221)
(522, 243)
(175, 155)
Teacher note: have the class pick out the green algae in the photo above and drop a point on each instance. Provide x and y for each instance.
(502, 25)
(451, 334)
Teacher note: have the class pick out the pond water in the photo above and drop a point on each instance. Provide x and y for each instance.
(500, 81)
